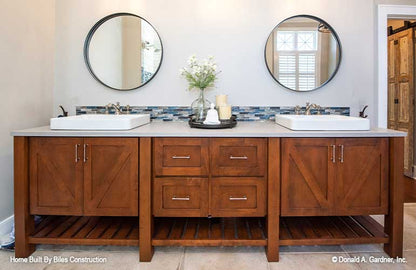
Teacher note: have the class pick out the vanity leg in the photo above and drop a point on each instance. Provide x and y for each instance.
(273, 200)
(24, 222)
(393, 222)
(145, 201)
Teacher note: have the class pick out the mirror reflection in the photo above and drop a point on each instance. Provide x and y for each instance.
(123, 51)
(303, 53)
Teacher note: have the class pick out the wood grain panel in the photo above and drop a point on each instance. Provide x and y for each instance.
(331, 231)
(209, 232)
(111, 177)
(86, 231)
(391, 105)
(180, 197)
(56, 176)
(404, 105)
(243, 197)
(180, 157)
(145, 203)
(362, 176)
(307, 176)
(393, 222)
(24, 222)
(401, 103)
(238, 156)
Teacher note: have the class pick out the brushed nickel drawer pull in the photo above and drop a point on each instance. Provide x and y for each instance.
(76, 153)
(243, 157)
(85, 153)
(181, 157)
(341, 157)
(187, 198)
(333, 153)
(244, 198)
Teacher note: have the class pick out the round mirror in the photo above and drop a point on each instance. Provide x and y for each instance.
(123, 51)
(303, 53)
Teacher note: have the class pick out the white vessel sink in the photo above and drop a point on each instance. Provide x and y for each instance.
(322, 122)
(100, 122)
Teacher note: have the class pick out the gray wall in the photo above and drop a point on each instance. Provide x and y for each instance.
(26, 80)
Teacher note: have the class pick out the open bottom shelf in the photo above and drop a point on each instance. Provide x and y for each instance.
(331, 231)
(117, 231)
(209, 232)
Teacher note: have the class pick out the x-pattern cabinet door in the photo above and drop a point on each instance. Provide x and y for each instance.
(362, 171)
(56, 176)
(308, 174)
(111, 176)
(346, 176)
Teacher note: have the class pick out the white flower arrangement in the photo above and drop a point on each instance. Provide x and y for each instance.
(200, 75)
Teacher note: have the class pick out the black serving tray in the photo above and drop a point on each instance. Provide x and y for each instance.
(224, 123)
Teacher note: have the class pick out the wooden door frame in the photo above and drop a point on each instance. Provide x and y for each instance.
(385, 12)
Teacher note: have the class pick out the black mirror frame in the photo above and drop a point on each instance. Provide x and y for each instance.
(88, 41)
(336, 38)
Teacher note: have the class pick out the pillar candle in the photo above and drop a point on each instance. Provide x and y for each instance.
(225, 112)
(221, 100)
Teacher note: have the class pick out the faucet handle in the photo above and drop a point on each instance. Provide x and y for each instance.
(318, 109)
(297, 109)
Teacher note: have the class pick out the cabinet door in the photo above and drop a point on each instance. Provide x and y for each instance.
(55, 176)
(111, 176)
(362, 171)
(308, 172)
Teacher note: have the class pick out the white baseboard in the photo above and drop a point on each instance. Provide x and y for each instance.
(6, 225)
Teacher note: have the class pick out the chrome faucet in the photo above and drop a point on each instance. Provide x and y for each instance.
(310, 106)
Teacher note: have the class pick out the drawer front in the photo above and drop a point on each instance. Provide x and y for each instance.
(180, 157)
(180, 197)
(239, 157)
(238, 197)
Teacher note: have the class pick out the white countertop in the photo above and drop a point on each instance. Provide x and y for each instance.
(182, 129)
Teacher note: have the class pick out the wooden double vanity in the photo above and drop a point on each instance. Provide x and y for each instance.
(166, 185)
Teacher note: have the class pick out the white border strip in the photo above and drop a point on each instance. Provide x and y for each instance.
(385, 12)
(6, 225)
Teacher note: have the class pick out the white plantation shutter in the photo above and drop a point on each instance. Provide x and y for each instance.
(297, 53)
(307, 71)
(287, 70)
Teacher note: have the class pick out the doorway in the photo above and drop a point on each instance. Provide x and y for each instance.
(401, 90)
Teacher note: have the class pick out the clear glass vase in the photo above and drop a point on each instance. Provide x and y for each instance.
(200, 107)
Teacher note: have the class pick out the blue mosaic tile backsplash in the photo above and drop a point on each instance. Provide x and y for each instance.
(181, 113)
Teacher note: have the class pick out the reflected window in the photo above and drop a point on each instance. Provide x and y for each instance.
(296, 53)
